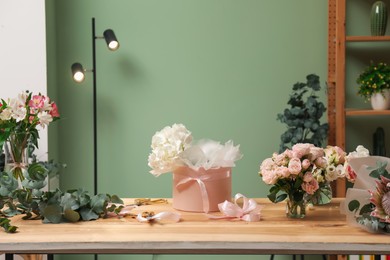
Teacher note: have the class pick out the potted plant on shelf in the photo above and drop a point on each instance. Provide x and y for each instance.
(374, 84)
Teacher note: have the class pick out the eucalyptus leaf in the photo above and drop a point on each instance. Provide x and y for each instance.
(353, 205)
(366, 209)
(69, 202)
(99, 203)
(88, 214)
(53, 213)
(116, 199)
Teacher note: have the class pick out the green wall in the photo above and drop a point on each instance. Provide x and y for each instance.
(224, 68)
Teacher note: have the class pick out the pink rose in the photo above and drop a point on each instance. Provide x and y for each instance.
(320, 162)
(308, 177)
(283, 172)
(305, 164)
(288, 154)
(316, 152)
(300, 150)
(280, 159)
(310, 187)
(341, 154)
(267, 165)
(269, 177)
(295, 166)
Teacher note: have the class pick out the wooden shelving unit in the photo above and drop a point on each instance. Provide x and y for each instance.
(367, 38)
(337, 112)
(361, 112)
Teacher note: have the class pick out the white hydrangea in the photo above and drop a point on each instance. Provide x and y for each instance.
(167, 145)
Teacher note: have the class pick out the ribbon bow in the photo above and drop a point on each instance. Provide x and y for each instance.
(249, 211)
(162, 216)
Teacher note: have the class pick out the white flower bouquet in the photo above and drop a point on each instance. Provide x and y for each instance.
(201, 170)
(172, 147)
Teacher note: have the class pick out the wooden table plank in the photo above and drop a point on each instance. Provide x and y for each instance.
(323, 231)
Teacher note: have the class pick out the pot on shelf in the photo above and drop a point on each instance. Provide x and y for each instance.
(381, 100)
(378, 18)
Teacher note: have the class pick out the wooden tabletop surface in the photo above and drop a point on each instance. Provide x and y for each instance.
(323, 231)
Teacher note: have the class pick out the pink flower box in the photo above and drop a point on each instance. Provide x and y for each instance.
(201, 190)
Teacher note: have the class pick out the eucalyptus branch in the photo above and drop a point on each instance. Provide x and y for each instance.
(303, 116)
(50, 206)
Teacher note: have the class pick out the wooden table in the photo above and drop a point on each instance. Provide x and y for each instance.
(323, 231)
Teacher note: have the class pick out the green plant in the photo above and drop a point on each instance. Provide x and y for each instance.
(50, 206)
(303, 116)
(374, 79)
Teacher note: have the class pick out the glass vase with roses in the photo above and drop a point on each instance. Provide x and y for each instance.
(301, 174)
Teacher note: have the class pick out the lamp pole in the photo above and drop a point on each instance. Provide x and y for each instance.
(79, 75)
(95, 163)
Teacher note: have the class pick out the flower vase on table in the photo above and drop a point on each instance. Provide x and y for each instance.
(323, 195)
(16, 154)
(19, 119)
(303, 174)
(295, 208)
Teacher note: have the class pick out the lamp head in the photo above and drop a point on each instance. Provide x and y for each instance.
(78, 72)
(112, 42)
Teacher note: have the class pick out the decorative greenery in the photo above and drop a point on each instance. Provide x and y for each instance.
(375, 214)
(19, 118)
(50, 206)
(303, 117)
(374, 79)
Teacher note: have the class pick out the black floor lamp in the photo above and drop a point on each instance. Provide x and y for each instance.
(78, 73)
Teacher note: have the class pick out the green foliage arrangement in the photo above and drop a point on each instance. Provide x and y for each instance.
(49, 206)
(374, 79)
(303, 116)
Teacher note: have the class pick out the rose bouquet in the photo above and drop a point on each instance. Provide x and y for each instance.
(19, 119)
(302, 174)
(201, 170)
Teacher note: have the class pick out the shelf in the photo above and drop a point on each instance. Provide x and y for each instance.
(367, 38)
(366, 112)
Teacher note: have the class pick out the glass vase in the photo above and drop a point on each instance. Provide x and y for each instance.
(322, 196)
(16, 154)
(295, 209)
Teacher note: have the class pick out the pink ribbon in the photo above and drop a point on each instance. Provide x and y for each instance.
(17, 165)
(162, 216)
(250, 211)
(200, 178)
